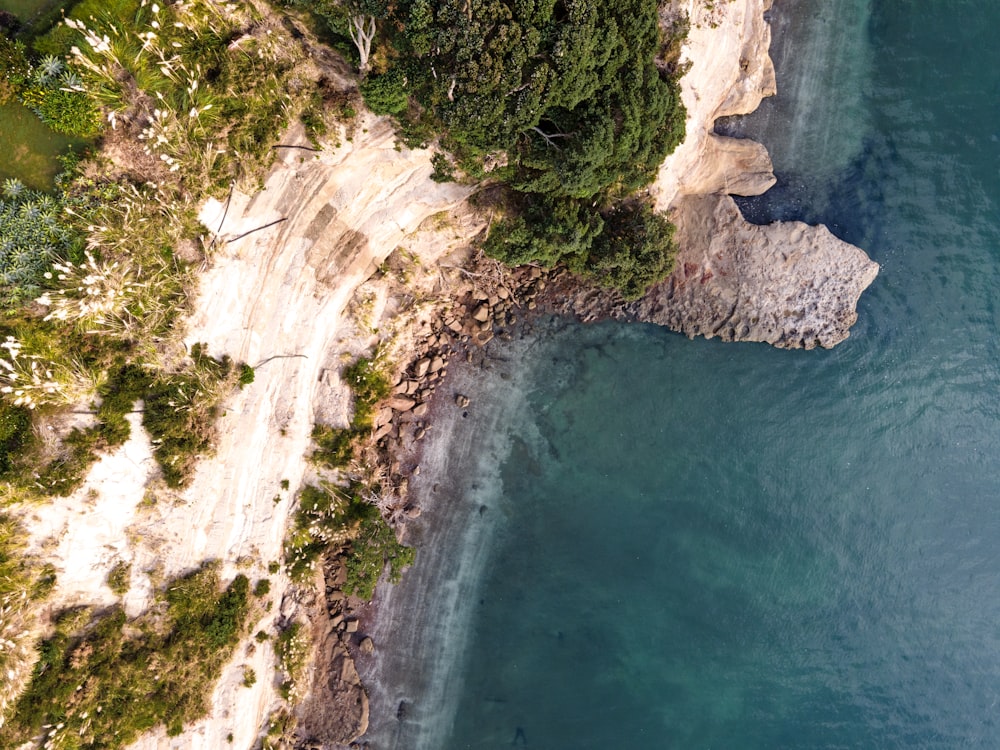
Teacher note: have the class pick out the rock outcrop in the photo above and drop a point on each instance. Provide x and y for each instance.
(788, 284)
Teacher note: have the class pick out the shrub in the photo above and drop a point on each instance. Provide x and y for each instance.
(635, 250)
(373, 547)
(385, 93)
(120, 577)
(246, 376)
(181, 411)
(32, 236)
(262, 587)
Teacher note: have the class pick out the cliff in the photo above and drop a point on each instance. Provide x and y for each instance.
(787, 284)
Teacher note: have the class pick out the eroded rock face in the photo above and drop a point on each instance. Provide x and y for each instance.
(787, 284)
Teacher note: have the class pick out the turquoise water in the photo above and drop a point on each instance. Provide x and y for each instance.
(706, 545)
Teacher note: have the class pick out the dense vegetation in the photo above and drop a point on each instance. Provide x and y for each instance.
(330, 517)
(561, 100)
(102, 681)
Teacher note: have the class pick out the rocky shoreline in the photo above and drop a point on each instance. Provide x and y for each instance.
(788, 284)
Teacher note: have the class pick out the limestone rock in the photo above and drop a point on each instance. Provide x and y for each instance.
(401, 403)
(787, 284)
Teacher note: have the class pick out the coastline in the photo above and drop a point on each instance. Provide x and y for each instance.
(412, 683)
(420, 626)
(345, 213)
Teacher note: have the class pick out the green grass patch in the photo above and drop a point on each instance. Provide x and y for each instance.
(370, 385)
(120, 578)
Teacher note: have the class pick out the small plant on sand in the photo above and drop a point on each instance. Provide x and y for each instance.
(249, 677)
(292, 648)
(120, 577)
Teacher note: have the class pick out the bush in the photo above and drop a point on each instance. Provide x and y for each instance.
(373, 547)
(385, 93)
(635, 250)
(15, 434)
(120, 577)
(545, 230)
(180, 414)
(14, 68)
(66, 111)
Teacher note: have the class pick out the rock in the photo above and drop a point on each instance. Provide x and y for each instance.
(383, 417)
(421, 410)
(382, 431)
(335, 622)
(420, 369)
(503, 292)
(367, 645)
(484, 337)
(352, 626)
(412, 387)
(401, 403)
(436, 364)
(481, 313)
(461, 401)
(419, 434)
(787, 284)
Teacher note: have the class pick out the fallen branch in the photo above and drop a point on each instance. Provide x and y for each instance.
(266, 226)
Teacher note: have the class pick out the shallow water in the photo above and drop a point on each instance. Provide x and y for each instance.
(720, 546)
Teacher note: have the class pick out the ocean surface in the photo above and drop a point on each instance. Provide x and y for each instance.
(707, 545)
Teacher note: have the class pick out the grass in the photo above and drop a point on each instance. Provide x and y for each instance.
(328, 519)
(292, 648)
(101, 681)
(120, 577)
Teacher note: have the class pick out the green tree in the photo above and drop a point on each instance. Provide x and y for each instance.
(635, 250)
